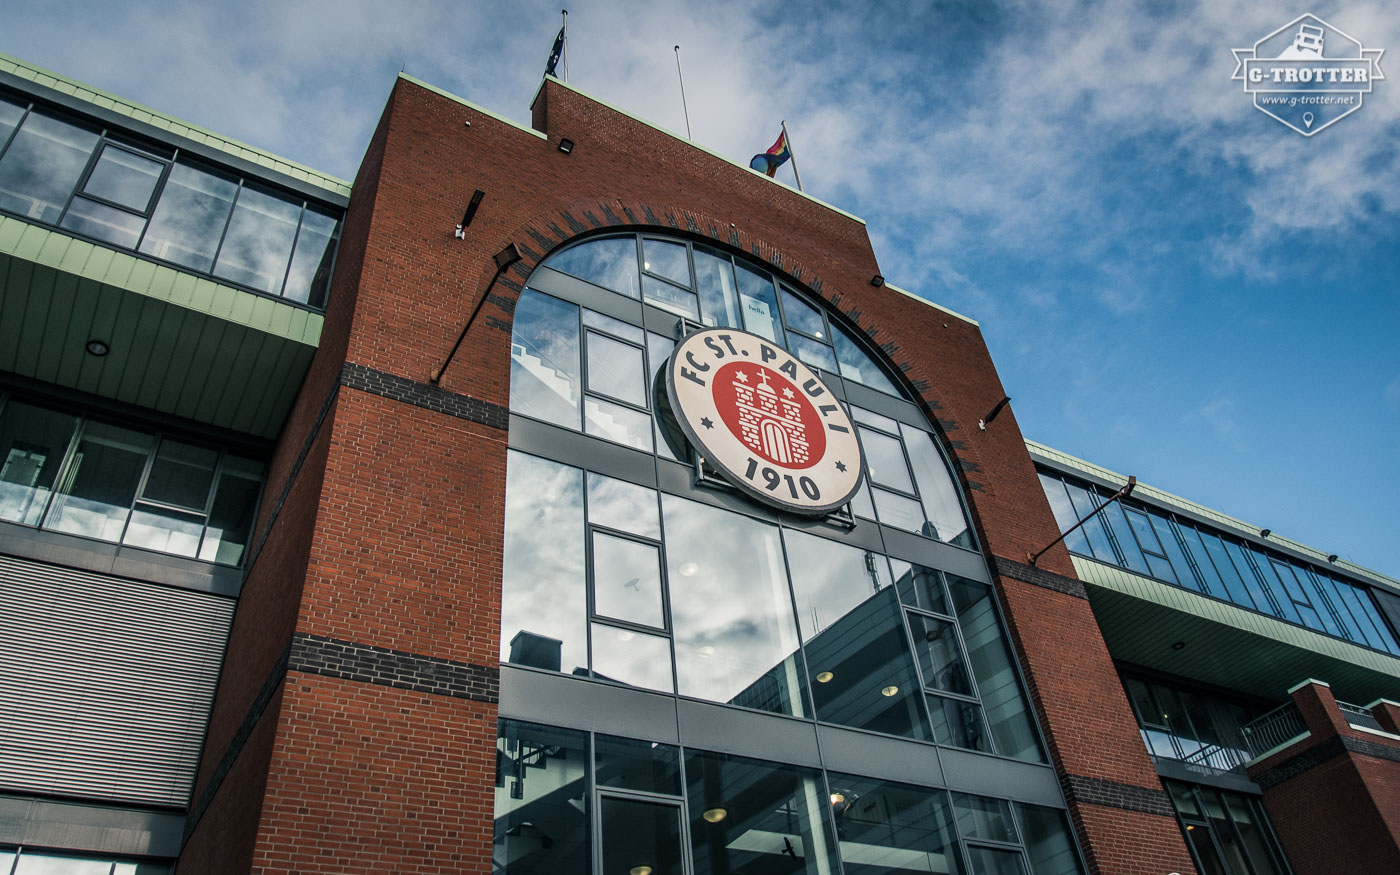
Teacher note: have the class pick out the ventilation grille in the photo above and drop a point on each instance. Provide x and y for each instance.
(105, 684)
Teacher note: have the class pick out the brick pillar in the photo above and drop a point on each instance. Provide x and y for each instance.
(1387, 714)
(1334, 796)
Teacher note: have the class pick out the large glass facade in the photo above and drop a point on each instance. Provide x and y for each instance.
(65, 471)
(1202, 729)
(104, 185)
(28, 861)
(1181, 552)
(573, 801)
(647, 574)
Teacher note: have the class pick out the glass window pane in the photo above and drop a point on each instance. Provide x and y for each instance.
(719, 296)
(1234, 584)
(632, 658)
(169, 531)
(624, 506)
(749, 817)
(103, 222)
(760, 304)
(898, 511)
(259, 241)
(982, 818)
(884, 460)
(669, 297)
(1364, 613)
(181, 475)
(1255, 841)
(610, 263)
(628, 764)
(920, 587)
(666, 259)
(541, 800)
(231, 518)
(1181, 566)
(658, 351)
(994, 669)
(731, 612)
(311, 261)
(34, 441)
(544, 360)
(870, 417)
(10, 114)
(100, 482)
(1047, 839)
(1262, 600)
(641, 837)
(1065, 516)
(124, 178)
(615, 369)
(853, 635)
(1326, 611)
(615, 327)
(991, 861)
(936, 490)
(1127, 544)
(958, 724)
(543, 599)
(189, 218)
(627, 580)
(887, 828)
(803, 316)
(856, 365)
(42, 165)
(940, 655)
(52, 864)
(616, 423)
(861, 503)
(818, 355)
(1205, 567)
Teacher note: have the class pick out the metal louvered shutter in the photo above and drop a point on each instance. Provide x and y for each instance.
(105, 683)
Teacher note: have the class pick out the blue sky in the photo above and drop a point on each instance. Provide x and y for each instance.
(1172, 284)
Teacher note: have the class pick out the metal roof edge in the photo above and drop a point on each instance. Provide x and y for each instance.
(1250, 531)
(467, 103)
(695, 145)
(935, 305)
(103, 100)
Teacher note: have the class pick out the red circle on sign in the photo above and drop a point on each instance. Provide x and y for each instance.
(769, 415)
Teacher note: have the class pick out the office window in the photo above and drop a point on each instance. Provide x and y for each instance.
(109, 187)
(70, 472)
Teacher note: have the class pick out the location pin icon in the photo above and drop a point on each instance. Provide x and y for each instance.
(1308, 120)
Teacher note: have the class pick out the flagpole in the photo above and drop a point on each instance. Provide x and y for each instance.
(565, 28)
(792, 155)
(684, 109)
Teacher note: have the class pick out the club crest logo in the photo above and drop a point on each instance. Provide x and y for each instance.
(1308, 74)
(764, 420)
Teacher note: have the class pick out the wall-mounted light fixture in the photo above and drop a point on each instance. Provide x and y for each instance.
(566, 145)
(1332, 557)
(1264, 533)
(461, 232)
(98, 348)
(996, 411)
(877, 281)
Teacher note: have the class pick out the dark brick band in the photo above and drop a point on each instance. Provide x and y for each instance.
(1316, 756)
(423, 395)
(1030, 574)
(1115, 794)
(331, 657)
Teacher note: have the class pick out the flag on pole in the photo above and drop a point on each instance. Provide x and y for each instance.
(776, 156)
(554, 54)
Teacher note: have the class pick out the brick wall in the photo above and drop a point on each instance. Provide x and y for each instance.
(387, 631)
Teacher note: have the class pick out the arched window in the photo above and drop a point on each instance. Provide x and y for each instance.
(629, 574)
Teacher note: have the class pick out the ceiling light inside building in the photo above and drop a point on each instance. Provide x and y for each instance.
(825, 677)
(715, 815)
(891, 690)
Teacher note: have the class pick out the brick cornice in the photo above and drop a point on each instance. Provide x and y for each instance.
(1004, 567)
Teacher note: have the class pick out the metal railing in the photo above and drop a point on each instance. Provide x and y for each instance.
(1359, 717)
(1273, 729)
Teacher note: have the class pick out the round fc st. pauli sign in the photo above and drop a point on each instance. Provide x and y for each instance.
(764, 420)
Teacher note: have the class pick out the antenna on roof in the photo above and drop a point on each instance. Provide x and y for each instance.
(684, 109)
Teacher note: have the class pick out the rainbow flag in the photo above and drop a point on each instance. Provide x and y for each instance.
(775, 157)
